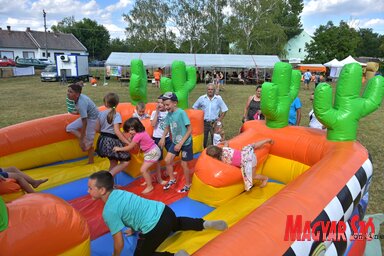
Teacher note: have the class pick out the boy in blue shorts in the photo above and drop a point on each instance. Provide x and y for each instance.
(125, 213)
(178, 123)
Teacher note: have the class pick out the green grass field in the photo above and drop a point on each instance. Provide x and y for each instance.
(27, 98)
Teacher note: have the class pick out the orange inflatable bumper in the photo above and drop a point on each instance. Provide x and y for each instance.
(36, 218)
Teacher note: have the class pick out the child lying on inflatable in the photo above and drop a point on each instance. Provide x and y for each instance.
(26, 182)
(245, 159)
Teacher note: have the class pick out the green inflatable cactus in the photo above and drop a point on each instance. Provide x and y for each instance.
(138, 82)
(278, 95)
(182, 82)
(348, 108)
(3, 215)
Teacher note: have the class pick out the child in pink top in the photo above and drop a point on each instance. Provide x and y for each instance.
(147, 145)
(245, 159)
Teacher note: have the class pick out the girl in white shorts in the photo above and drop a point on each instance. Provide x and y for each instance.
(151, 151)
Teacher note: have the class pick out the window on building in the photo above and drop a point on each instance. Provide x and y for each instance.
(28, 55)
(299, 49)
(7, 54)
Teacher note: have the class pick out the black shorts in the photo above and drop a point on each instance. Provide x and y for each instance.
(186, 151)
(4, 174)
(168, 143)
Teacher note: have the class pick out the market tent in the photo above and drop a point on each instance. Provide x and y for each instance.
(334, 68)
(311, 67)
(333, 63)
(350, 59)
(198, 60)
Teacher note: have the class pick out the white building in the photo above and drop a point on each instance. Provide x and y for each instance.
(34, 44)
(295, 47)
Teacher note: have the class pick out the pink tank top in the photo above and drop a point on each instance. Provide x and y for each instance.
(231, 156)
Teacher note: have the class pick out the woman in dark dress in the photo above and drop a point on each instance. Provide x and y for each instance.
(252, 109)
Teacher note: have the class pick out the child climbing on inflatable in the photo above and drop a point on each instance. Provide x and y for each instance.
(245, 159)
(21, 178)
(83, 127)
(151, 151)
(108, 124)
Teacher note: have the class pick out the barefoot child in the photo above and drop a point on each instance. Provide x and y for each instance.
(140, 111)
(84, 127)
(177, 122)
(246, 159)
(109, 122)
(147, 145)
(158, 123)
(23, 179)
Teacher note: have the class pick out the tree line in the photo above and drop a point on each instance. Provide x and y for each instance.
(220, 26)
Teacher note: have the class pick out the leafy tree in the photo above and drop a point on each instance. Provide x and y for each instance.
(93, 36)
(289, 17)
(330, 41)
(118, 45)
(65, 26)
(147, 29)
(189, 18)
(214, 37)
(252, 28)
(369, 45)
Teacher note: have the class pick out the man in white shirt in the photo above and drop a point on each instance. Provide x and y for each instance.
(214, 109)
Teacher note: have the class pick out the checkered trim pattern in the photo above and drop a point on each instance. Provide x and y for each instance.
(339, 209)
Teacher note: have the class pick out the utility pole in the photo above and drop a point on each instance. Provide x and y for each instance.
(45, 28)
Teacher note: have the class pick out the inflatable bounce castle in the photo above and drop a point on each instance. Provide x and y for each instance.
(316, 178)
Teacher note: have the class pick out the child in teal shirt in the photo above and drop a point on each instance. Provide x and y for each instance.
(154, 220)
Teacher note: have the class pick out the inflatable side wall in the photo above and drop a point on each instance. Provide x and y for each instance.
(35, 145)
(324, 181)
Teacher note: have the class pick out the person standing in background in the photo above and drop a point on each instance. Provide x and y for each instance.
(295, 112)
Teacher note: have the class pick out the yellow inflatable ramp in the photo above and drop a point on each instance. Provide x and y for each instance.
(232, 211)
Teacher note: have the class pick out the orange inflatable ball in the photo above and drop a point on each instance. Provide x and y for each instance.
(43, 224)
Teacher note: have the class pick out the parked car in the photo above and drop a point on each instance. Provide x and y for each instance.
(49, 74)
(46, 61)
(7, 63)
(97, 63)
(21, 62)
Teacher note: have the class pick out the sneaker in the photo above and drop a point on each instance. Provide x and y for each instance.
(185, 189)
(169, 184)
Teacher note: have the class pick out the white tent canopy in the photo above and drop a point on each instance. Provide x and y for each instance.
(336, 66)
(333, 63)
(198, 60)
(350, 59)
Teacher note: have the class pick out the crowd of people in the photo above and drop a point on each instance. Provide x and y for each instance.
(173, 132)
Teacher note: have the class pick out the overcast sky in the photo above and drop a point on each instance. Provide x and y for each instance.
(20, 14)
